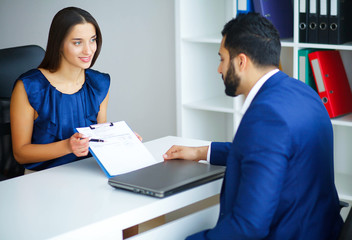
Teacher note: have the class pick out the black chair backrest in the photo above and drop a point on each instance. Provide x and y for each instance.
(346, 232)
(13, 62)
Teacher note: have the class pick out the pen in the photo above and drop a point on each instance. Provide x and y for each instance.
(96, 140)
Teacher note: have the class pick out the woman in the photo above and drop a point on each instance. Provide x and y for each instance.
(63, 93)
(48, 103)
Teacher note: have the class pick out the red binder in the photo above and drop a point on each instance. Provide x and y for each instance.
(332, 83)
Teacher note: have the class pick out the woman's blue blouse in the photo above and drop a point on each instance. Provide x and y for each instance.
(60, 114)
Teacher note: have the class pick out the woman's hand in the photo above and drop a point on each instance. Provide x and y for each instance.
(79, 144)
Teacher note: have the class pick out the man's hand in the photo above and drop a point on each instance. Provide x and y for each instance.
(186, 153)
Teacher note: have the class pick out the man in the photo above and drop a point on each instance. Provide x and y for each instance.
(279, 180)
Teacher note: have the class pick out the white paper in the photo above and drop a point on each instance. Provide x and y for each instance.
(121, 151)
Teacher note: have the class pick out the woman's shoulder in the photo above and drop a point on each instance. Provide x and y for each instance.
(92, 72)
(97, 80)
(31, 74)
(33, 80)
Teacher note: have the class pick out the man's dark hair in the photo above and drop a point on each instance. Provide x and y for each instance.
(255, 36)
(62, 24)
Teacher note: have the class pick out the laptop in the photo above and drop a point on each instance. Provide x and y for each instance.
(167, 178)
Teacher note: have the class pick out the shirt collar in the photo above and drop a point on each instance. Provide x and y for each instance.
(253, 92)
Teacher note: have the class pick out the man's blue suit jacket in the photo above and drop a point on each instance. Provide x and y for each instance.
(279, 180)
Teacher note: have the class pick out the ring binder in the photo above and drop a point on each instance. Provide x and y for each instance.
(313, 21)
(305, 73)
(303, 20)
(340, 21)
(332, 83)
(323, 33)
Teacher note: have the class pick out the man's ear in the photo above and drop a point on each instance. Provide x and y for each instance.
(242, 62)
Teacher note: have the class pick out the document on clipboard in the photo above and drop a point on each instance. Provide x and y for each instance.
(118, 150)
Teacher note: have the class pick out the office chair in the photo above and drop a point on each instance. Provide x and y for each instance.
(346, 232)
(13, 62)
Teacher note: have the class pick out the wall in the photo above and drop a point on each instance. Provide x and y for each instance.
(138, 53)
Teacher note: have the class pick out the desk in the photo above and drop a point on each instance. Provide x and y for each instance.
(74, 201)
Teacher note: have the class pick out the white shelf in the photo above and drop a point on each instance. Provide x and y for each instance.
(287, 43)
(345, 120)
(346, 46)
(343, 184)
(222, 104)
(216, 38)
(204, 111)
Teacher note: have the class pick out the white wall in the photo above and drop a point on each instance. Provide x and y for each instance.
(138, 53)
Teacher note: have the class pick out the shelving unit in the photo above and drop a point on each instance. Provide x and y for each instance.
(205, 112)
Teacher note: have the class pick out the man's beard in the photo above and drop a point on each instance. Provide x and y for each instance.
(231, 81)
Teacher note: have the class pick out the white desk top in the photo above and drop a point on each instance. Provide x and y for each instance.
(75, 200)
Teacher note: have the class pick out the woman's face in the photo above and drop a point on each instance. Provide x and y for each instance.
(79, 46)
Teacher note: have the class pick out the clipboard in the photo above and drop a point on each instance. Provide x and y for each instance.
(120, 151)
